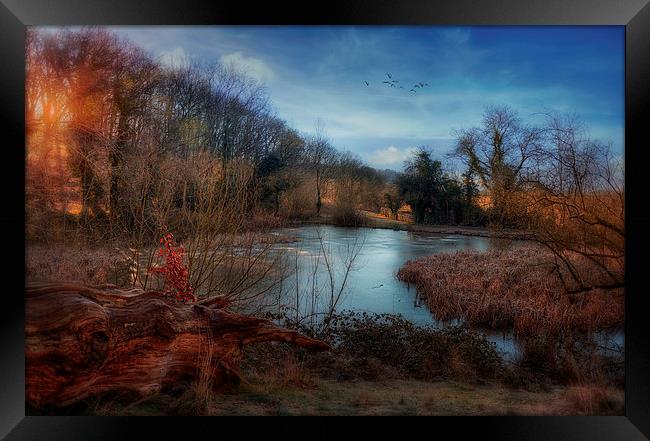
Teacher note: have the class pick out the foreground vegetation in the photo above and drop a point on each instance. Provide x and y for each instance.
(385, 365)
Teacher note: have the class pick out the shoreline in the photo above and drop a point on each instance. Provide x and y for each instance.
(374, 221)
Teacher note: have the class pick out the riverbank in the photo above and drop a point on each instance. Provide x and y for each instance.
(264, 396)
(375, 220)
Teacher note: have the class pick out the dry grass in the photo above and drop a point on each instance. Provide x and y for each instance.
(515, 289)
(391, 397)
(287, 371)
(97, 266)
(595, 400)
(263, 221)
(589, 399)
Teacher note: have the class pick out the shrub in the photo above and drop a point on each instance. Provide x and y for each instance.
(174, 271)
(370, 346)
(345, 215)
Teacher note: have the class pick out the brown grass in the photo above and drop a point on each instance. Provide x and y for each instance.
(515, 289)
(595, 400)
(97, 266)
(390, 397)
(588, 399)
(279, 380)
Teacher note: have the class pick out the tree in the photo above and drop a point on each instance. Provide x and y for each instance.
(499, 152)
(136, 341)
(134, 85)
(120, 144)
(576, 195)
(393, 199)
(421, 186)
(273, 183)
(472, 214)
(434, 195)
(320, 158)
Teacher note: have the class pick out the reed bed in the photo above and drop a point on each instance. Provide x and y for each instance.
(517, 289)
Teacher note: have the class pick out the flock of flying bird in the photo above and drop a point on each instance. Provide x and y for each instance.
(395, 83)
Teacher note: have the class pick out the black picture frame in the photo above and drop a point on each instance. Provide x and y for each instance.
(15, 15)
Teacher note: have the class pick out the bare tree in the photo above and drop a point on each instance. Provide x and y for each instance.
(577, 196)
(320, 156)
(499, 152)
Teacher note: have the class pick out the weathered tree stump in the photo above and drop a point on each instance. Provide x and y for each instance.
(83, 341)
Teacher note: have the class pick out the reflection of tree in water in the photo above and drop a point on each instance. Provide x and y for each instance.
(314, 287)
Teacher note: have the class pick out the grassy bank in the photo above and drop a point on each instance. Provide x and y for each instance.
(264, 396)
(93, 266)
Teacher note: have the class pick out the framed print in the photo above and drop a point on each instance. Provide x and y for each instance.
(367, 209)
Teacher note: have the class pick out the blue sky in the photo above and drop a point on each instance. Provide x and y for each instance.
(318, 73)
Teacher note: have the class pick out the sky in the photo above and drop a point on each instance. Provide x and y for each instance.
(318, 73)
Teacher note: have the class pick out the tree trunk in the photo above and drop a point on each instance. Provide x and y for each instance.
(318, 200)
(83, 341)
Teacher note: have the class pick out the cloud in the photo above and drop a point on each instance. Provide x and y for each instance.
(253, 67)
(390, 155)
(320, 75)
(176, 57)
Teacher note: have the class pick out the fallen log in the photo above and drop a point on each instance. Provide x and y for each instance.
(83, 341)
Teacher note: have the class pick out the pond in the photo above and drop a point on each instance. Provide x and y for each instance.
(355, 269)
(371, 285)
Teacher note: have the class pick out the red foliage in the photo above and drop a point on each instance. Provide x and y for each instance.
(176, 274)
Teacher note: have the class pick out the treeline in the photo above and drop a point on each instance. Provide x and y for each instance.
(555, 181)
(434, 195)
(552, 180)
(119, 144)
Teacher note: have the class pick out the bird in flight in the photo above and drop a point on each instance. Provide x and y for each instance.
(391, 83)
(395, 83)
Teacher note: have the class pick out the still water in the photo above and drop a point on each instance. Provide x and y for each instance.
(371, 284)
(319, 257)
